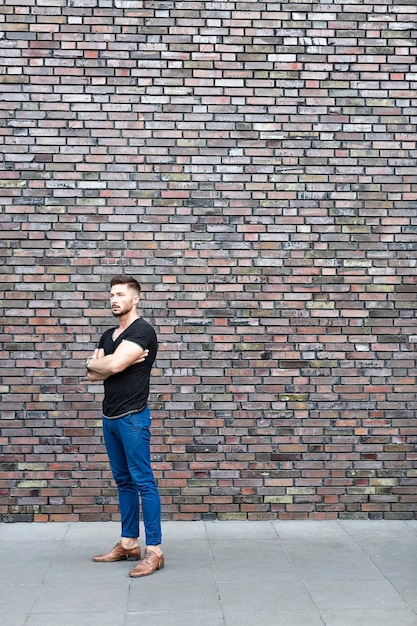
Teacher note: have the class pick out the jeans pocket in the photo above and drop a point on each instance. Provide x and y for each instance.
(140, 421)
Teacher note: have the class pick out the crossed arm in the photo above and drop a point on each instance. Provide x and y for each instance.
(100, 366)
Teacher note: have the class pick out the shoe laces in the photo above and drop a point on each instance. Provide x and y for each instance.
(149, 554)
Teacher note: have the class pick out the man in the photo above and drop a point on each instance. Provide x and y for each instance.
(123, 361)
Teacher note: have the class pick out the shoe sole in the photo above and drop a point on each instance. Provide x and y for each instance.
(146, 573)
(125, 558)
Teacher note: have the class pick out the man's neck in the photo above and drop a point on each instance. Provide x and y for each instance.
(127, 319)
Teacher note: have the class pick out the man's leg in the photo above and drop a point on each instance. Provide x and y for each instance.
(136, 440)
(128, 491)
(137, 448)
(128, 548)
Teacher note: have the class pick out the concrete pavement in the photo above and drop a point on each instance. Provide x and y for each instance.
(295, 573)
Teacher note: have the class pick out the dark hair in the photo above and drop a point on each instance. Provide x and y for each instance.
(122, 279)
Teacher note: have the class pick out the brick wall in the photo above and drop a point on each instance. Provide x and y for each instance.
(253, 164)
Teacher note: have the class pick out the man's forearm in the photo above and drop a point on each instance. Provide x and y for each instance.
(101, 366)
(94, 377)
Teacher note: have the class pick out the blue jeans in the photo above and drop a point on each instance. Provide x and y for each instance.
(127, 442)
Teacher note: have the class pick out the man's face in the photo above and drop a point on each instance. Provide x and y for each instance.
(122, 300)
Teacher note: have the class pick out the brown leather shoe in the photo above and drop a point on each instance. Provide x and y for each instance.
(119, 553)
(148, 565)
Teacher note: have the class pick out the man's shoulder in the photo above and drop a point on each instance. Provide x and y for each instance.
(140, 327)
(141, 322)
(106, 339)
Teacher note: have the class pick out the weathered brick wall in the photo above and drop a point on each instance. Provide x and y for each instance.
(253, 164)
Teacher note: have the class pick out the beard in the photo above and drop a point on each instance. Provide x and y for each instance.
(119, 311)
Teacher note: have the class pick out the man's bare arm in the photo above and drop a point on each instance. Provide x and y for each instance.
(100, 366)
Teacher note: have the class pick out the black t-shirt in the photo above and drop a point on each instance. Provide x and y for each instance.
(128, 391)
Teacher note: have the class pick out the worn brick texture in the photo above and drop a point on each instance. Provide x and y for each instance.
(253, 164)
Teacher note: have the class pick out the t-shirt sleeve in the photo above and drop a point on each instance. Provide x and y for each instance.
(142, 335)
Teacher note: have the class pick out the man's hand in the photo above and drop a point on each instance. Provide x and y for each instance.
(92, 376)
(141, 358)
(96, 354)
